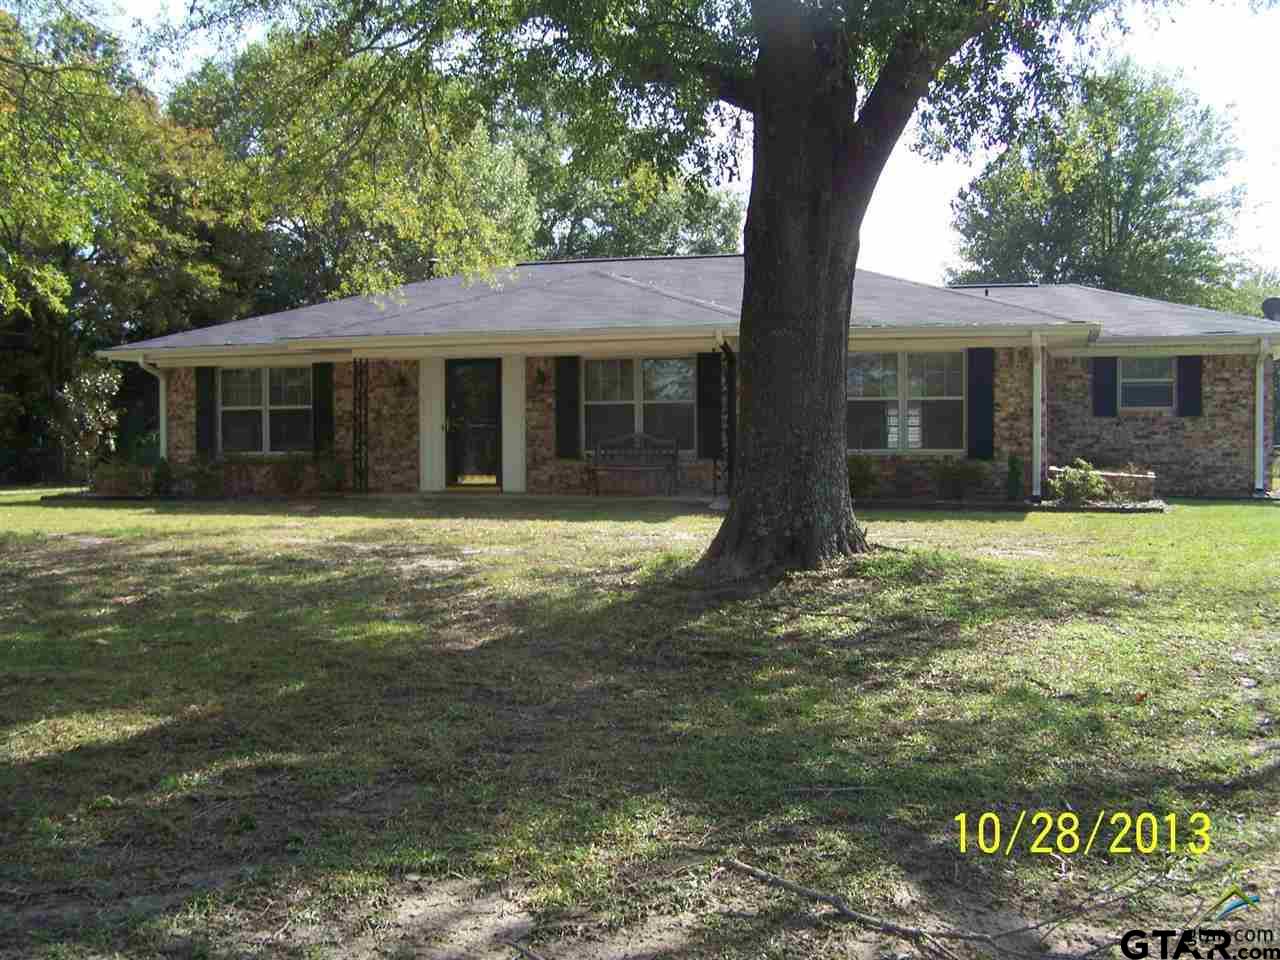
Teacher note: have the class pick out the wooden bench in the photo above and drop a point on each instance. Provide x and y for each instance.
(635, 454)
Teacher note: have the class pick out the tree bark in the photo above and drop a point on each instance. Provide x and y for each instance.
(812, 180)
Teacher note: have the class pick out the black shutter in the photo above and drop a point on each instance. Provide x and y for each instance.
(1104, 387)
(982, 402)
(1190, 396)
(206, 412)
(709, 406)
(322, 406)
(568, 442)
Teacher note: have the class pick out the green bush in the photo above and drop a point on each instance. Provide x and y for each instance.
(1079, 483)
(206, 479)
(955, 478)
(289, 475)
(1013, 479)
(864, 476)
(118, 478)
(331, 475)
(162, 478)
(143, 448)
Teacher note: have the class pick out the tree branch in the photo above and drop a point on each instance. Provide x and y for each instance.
(920, 935)
(904, 80)
(724, 84)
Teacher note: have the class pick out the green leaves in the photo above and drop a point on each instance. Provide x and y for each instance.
(1120, 189)
(360, 194)
(86, 415)
(602, 205)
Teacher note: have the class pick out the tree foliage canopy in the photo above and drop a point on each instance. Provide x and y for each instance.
(1122, 189)
(667, 79)
(360, 202)
(619, 209)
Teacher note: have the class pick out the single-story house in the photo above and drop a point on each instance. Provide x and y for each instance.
(510, 384)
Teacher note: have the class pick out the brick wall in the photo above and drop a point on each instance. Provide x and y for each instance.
(180, 404)
(393, 430)
(1207, 455)
(548, 473)
(393, 425)
(1014, 382)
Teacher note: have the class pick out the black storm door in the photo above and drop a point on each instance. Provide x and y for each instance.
(473, 405)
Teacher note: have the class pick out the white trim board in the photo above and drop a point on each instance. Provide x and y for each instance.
(513, 425)
(431, 435)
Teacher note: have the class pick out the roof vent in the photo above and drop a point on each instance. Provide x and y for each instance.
(987, 287)
(1271, 308)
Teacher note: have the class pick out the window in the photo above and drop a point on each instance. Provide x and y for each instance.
(265, 410)
(931, 393)
(1146, 382)
(871, 387)
(935, 411)
(659, 401)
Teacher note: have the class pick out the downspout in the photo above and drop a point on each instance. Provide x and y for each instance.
(1260, 419)
(163, 382)
(1037, 414)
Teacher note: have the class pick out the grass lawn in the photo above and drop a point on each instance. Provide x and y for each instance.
(267, 729)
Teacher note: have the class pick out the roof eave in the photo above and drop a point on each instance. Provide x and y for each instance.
(353, 345)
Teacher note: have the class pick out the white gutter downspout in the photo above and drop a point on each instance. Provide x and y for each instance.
(1037, 381)
(164, 404)
(1260, 419)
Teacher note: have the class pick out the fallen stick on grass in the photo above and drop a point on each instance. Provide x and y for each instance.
(919, 935)
(526, 952)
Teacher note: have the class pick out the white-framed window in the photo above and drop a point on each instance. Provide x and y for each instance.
(639, 395)
(928, 387)
(264, 410)
(871, 388)
(1147, 383)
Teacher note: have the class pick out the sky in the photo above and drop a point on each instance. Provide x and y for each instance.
(1227, 56)
(1225, 53)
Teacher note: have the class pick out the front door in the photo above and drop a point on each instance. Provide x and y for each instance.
(473, 406)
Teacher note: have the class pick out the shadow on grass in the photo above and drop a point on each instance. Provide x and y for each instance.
(371, 709)
(427, 506)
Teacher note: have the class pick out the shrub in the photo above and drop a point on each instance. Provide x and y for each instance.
(955, 478)
(143, 448)
(864, 476)
(118, 478)
(1013, 480)
(289, 475)
(331, 475)
(206, 479)
(162, 478)
(1078, 483)
(85, 417)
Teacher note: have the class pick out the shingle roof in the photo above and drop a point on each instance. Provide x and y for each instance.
(1126, 315)
(649, 293)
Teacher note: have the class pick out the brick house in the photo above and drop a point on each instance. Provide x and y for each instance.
(447, 384)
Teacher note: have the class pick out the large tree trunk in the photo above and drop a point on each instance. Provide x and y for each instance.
(809, 191)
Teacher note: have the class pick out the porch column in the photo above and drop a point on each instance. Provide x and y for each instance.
(1260, 418)
(513, 425)
(1037, 415)
(431, 424)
